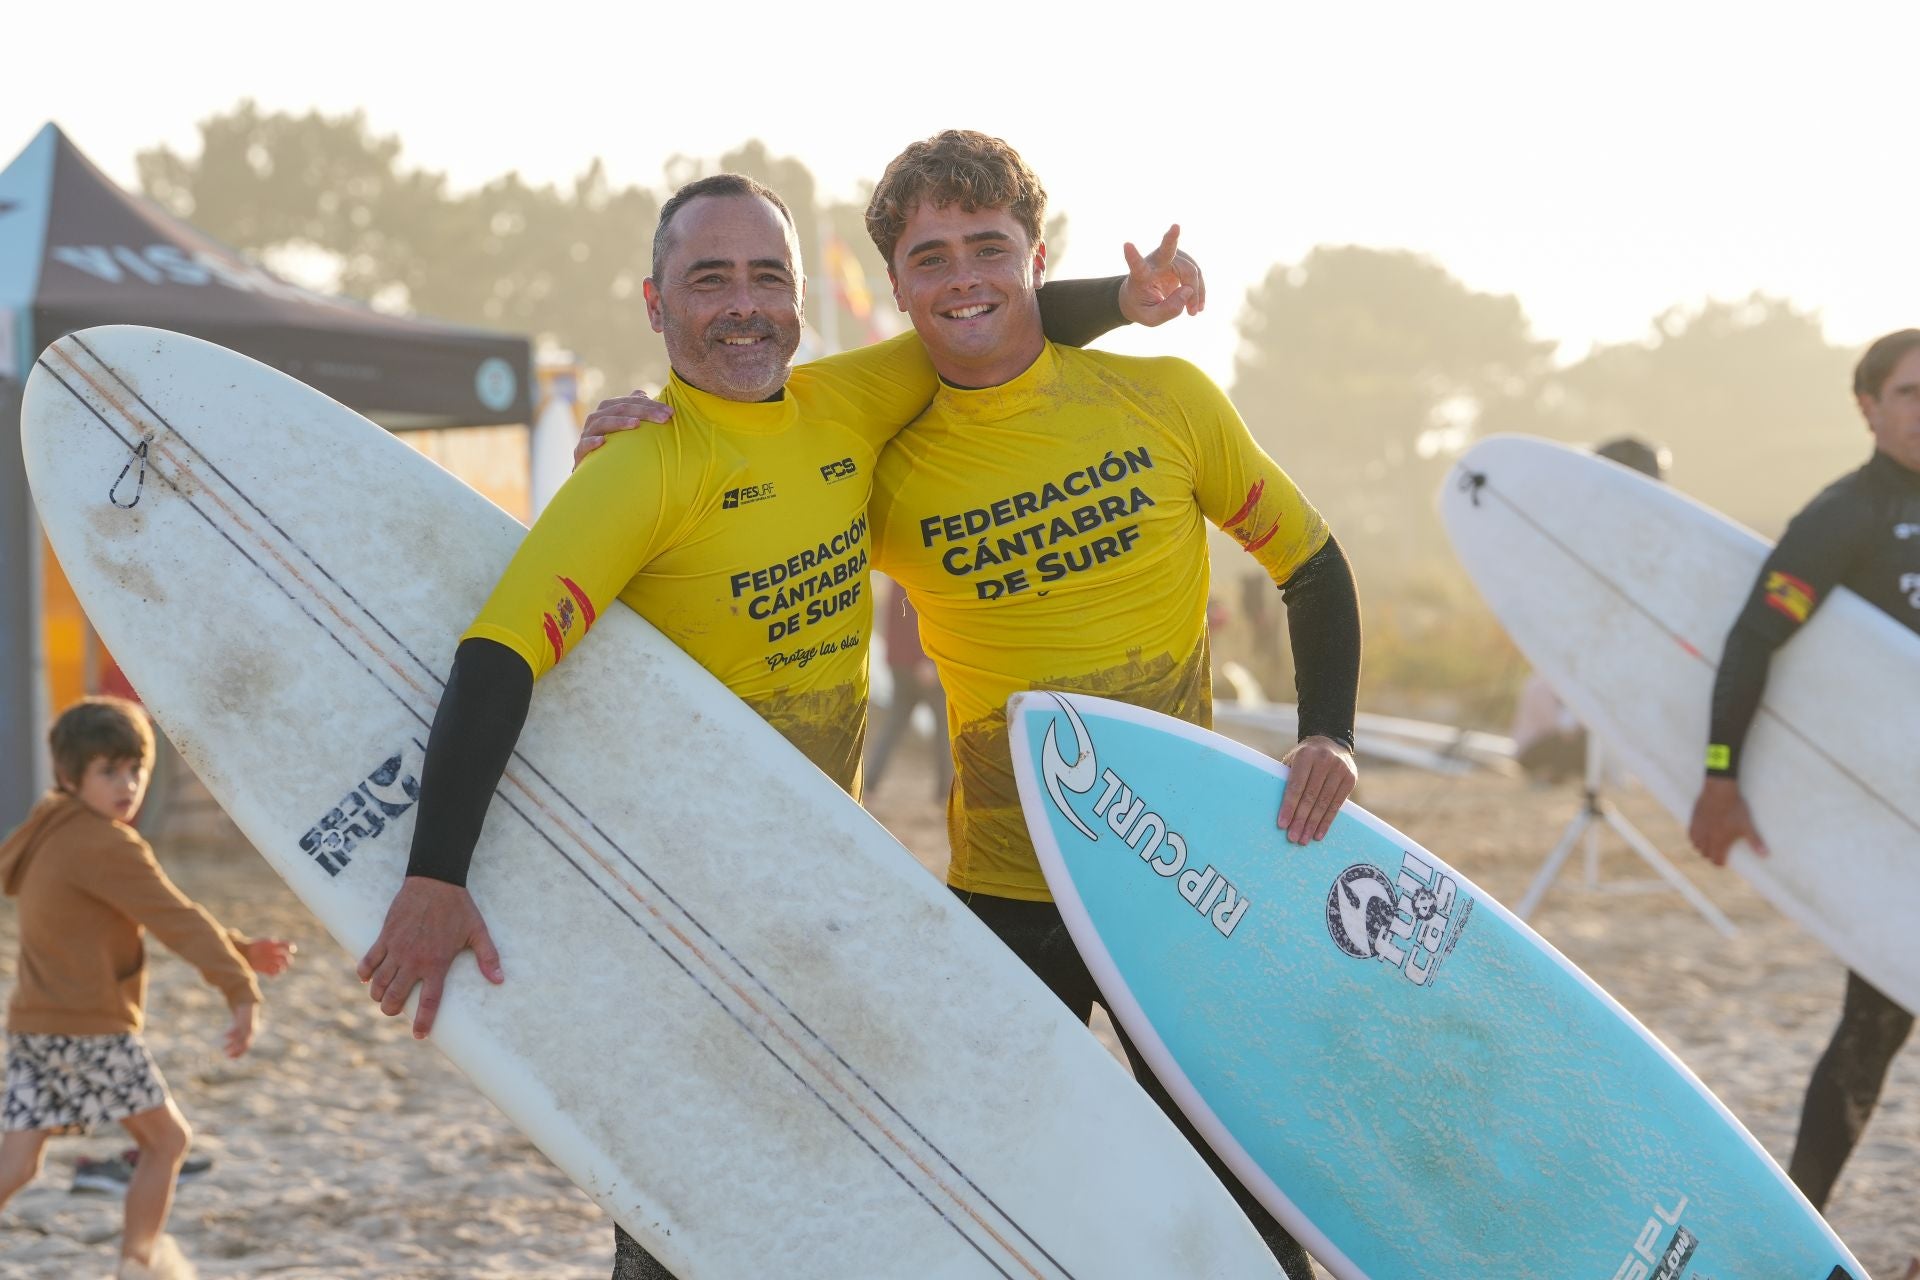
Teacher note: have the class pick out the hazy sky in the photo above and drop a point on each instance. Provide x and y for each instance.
(1603, 162)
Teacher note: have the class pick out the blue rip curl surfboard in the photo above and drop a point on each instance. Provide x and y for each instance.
(1405, 1074)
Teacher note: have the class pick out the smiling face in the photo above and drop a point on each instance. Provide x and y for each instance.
(113, 788)
(1894, 414)
(727, 296)
(968, 279)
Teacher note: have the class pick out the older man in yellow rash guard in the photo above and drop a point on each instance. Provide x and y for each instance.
(741, 533)
(1047, 517)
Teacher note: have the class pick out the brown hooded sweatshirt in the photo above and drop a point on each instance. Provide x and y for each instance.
(88, 889)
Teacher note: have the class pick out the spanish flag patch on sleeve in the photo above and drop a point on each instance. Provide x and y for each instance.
(1789, 595)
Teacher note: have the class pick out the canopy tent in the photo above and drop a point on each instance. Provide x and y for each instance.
(77, 251)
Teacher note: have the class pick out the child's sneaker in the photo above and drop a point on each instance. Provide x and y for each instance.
(111, 1175)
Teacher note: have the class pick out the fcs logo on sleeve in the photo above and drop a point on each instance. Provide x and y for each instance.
(364, 812)
(835, 472)
(1126, 815)
(1410, 923)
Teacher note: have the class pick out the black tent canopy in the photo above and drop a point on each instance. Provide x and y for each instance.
(77, 251)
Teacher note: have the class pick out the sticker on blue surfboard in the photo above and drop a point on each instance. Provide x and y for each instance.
(1408, 1077)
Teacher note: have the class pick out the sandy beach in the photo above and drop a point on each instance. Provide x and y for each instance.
(343, 1148)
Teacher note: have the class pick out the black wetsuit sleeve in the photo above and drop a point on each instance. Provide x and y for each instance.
(473, 736)
(1323, 628)
(1814, 554)
(1075, 312)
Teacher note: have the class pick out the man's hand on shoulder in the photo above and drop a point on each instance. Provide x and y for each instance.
(1321, 775)
(429, 924)
(1162, 284)
(623, 414)
(1720, 818)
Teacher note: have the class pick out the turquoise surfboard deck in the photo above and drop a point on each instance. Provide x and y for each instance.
(1409, 1077)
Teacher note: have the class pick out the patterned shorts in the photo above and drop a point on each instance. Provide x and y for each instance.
(75, 1084)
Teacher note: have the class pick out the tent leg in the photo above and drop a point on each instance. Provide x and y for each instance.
(23, 710)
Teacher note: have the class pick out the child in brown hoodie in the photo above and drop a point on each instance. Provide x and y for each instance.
(88, 889)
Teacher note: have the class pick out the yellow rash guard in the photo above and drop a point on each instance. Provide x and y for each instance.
(1050, 533)
(740, 530)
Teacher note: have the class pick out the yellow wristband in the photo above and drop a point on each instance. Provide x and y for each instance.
(1719, 755)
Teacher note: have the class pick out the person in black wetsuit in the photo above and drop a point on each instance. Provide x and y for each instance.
(1863, 533)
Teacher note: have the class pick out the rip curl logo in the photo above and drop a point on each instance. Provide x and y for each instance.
(1358, 908)
(365, 811)
(1410, 923)
(1905, 531)
(1126, 815)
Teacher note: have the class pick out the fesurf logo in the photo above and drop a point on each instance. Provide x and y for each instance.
(746, 495)
(1410, 923)
(1126, 815)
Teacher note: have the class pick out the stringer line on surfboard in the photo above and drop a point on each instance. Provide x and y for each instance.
(696, 958)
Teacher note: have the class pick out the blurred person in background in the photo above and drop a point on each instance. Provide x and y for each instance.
(1549, 744)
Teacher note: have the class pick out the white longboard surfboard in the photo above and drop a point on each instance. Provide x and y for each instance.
(1405, 1074)
(738, 1014)
(1620, 591)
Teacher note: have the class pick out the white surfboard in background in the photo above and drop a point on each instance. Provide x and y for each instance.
(1621, 592)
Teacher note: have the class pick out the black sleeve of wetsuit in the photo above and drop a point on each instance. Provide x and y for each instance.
(1323, 627)
(1818, 547)
(473, 736)
(1075, 312)
(1737, 687)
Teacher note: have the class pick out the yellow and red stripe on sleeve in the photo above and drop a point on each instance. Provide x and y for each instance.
(1789, 595)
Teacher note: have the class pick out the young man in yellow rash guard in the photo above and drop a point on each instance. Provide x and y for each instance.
(1047, 517)
(742, 533)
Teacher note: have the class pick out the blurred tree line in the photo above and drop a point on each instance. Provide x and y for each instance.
(1364, 371)
(325, 199)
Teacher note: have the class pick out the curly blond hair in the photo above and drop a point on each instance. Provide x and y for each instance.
(957, 166)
